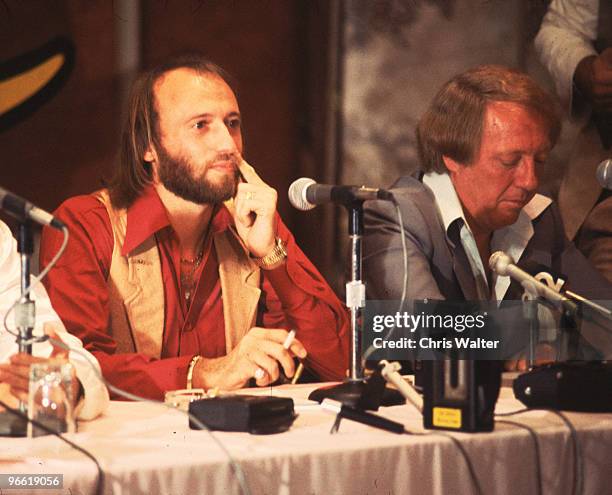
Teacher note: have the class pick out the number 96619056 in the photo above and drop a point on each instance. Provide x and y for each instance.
(31, 481)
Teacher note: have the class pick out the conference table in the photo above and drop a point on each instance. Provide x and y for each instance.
(146, 448)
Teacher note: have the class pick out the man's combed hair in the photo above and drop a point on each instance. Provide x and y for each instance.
(141, 128)
(452, 126)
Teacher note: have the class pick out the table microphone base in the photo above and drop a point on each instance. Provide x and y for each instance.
(351, 393)
(12, 426)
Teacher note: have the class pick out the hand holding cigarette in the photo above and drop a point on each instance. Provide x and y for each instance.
(261, 354)
(300, 368)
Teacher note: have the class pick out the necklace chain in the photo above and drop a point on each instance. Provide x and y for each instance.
(188, 269)
(193, 261)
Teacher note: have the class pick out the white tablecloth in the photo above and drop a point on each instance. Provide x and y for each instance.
(148, 449)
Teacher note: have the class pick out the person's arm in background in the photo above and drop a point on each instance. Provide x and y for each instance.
(94, 395)
(565, 46)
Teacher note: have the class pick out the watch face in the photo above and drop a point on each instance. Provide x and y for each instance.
(273, 259)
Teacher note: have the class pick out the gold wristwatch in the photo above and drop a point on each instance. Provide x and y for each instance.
(274, 258)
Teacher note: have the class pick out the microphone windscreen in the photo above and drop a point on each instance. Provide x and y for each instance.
(604, 174)
(499, 261)
(297, 194)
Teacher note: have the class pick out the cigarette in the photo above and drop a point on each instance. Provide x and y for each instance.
(289, 339)
(298, 373)
(300, 368)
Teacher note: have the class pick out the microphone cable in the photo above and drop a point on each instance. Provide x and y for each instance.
(236, 468)
(400, 221)
(16, 412)
(42, 426)
(370, 350)
(34, 282)
(536, 449)
(462, 451)
(578, 485)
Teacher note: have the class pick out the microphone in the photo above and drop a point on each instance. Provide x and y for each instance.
(604, 174)
(305, 194)
(23, 210)
(503, 265)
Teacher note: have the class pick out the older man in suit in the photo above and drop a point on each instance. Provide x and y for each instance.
(481, 145)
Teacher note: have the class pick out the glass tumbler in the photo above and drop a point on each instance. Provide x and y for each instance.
(51, 400)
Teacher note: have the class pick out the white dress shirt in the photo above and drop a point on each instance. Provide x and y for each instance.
(511, 239)
(566, 36)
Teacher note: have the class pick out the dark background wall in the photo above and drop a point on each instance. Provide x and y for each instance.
(329, 89)
(65, 146)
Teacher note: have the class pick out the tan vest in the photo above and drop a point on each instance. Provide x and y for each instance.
(136, 291)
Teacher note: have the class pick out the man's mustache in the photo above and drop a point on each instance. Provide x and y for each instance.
(226, 157)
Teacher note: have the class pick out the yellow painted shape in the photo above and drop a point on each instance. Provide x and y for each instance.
(19, 88)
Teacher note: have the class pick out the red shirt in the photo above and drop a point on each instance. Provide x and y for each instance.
(296, 296)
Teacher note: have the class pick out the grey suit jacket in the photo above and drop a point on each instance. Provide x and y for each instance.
(437, 264)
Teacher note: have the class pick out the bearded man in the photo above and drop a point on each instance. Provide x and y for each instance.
(181, 273)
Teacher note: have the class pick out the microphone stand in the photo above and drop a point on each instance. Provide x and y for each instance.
(569, 324)
(574, 312)
(25, 309)
(355, 290)
(355, 391)
(530, 310)
(25, 315)
(581, 311)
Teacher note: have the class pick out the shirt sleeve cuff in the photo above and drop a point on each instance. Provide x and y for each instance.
(95, 398)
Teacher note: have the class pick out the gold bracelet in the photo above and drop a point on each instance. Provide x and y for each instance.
(274, 258)
(192, 364)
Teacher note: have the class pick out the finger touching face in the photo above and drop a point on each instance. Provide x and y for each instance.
(200, 136)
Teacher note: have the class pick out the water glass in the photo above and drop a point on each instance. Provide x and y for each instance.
(51, 400)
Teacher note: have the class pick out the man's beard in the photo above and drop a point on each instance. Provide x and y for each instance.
(176, 174)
